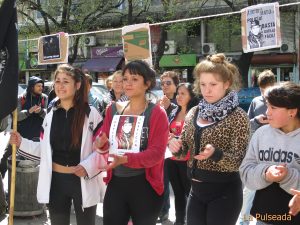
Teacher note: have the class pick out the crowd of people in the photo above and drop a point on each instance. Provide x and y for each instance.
(225, 166)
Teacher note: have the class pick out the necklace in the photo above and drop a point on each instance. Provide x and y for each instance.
(135, 113)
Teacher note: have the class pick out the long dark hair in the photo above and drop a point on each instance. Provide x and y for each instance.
(80, 101)
(194, 99)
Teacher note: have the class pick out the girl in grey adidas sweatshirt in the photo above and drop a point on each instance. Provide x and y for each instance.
(272, 163)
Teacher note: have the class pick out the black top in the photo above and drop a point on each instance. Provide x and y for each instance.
(60, 138)
(273, 210)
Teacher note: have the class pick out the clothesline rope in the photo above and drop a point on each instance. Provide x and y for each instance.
(162, 23)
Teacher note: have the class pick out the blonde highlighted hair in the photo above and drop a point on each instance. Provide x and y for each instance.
(116, 73)
(221, 68)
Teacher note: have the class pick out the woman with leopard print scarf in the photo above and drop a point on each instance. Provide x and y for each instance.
(216, 132)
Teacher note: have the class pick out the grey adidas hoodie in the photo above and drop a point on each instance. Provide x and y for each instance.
(270, 146)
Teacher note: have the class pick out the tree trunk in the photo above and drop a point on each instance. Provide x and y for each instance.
(160, 47)
(64, 15)
(244, 64)
(75, 50)
(130, 11)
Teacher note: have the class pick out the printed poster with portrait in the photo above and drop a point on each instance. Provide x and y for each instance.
(125, 134)
(261, 27)
(53, 49)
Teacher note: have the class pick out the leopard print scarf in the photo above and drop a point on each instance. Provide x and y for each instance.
(218, 111)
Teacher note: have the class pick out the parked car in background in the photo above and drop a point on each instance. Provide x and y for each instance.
(246, 96)
(47, 87)
(156, 93)
(97, 89)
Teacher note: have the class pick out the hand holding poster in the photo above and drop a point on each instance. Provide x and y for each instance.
(125, 134)
(53, 49)
(261, 27)
(137, 43)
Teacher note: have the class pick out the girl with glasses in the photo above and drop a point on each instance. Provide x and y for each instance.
(169, 83)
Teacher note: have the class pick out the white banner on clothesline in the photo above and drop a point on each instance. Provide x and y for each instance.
(261, 27)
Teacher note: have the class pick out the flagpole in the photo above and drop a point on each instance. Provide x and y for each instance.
(13, 173)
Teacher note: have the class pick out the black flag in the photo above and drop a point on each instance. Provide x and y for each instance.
(9, 65)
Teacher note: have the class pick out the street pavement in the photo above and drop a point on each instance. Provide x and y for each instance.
(43, 219)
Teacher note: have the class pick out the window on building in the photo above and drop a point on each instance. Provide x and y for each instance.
(282, 73)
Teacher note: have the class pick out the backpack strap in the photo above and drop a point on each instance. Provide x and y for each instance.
(197, 137)
(197, 133)
(146, 126)
(147, 114)
(114, 110)
(22, 102)
(43, 102)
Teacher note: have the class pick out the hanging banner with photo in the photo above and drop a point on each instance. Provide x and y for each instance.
(137, 43)
(125, 134)
(53, 49)
(261, 27)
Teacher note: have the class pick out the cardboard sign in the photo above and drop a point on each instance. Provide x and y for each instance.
(261, 27)
(137, 43)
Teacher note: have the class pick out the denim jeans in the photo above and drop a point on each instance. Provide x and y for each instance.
(248, 196)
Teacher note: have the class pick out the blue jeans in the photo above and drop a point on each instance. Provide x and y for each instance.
(166, 202)
(248, 196)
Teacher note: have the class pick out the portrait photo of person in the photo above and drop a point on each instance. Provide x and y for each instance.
(51, 48)
(125, 132)
(255, 37)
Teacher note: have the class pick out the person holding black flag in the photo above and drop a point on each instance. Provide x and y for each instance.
(32, 106)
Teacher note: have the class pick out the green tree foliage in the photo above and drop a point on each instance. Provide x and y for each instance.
(228, 37)
(69, 16)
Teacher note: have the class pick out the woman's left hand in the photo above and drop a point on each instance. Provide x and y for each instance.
(80, 171)
(207, 152)
(118, 160)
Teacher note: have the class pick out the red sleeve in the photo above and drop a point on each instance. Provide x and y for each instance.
(157, 142)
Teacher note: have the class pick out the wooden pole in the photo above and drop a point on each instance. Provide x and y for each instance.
(13, 173)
